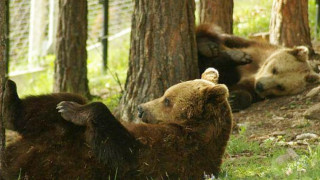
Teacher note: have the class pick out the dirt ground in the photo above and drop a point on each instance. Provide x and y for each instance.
(282, 116)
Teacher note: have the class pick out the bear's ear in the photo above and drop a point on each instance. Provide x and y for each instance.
(312, 78)
(301, 52)
(210, 74)
(216, 93)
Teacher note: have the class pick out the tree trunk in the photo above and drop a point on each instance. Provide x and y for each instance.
(289, 24)
(219, 12)
(71, 63)
(163, 51)
(4, 57)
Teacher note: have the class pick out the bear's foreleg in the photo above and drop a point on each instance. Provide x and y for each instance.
(242, 95)
(111, 142)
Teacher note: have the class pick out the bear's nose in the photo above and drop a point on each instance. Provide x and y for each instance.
(140, 111)
(259, 87)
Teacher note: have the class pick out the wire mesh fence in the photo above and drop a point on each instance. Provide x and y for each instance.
(120, 12)
(19, 30)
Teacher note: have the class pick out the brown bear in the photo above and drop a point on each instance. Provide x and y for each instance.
(184, 136)
(251, 69)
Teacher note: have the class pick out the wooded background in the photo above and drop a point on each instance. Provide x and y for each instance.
(162, 47)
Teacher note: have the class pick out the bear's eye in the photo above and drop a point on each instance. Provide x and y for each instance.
(166, 102)
(274, 71)
(280, 88)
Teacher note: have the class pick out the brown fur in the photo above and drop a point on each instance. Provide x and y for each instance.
(242, 65)
(92, 144)
(48, 142)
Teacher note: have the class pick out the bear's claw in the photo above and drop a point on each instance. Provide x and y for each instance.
(239, 57)
(209, 48)
(70, 111)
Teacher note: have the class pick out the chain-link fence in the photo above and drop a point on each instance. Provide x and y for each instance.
(19, 31)
(21, 24)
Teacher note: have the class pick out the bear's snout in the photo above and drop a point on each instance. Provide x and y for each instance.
(140, 111)
(145, 114)
(259, 87)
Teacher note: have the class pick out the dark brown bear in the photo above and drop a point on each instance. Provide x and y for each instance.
(253, 70)
(192, 123)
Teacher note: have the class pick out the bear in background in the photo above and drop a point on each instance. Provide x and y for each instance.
(185, 136)
(253, 70)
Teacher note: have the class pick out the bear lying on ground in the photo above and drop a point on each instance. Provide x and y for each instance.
(253, 70)
(186, 137)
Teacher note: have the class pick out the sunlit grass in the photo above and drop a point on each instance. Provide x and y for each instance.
(248, 159)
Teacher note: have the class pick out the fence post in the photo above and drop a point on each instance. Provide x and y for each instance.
(36, 31)
(104, 39)
(53, 23)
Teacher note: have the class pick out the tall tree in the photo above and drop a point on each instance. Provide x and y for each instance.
(162, 53)
(219, 12)
(71, 63)
(289, 24)
(4, 56)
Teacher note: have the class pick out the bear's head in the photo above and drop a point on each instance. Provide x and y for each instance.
(285, 72)
(190, 101)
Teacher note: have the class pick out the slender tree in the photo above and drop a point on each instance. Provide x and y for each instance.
(71, 63)
(4, 37)
(289, 24)
(219, 12)
(163, 51)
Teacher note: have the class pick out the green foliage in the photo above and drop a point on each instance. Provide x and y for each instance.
(312, 18)
(251, 16)
(107, 86)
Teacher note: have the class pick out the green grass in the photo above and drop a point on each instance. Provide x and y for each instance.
(247, 159)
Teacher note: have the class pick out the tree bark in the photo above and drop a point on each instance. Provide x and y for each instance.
(219, 12)
(163, 51)
(4, 57)
(289, 24)
(71, 63)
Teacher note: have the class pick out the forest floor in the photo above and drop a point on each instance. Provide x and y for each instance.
(273, 140)
(279, 116)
